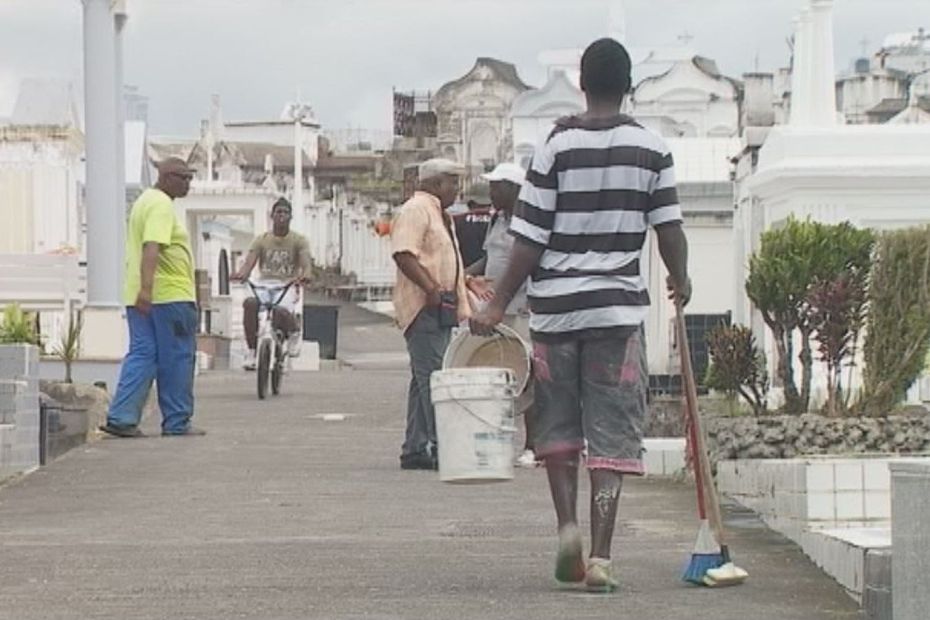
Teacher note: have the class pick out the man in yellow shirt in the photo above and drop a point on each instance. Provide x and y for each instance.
(161, 310)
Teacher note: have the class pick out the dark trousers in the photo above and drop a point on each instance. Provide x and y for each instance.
(426, 344)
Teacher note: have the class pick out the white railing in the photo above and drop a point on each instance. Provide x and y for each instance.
(51, 285)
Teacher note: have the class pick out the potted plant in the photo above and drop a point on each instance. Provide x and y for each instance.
(69, 346)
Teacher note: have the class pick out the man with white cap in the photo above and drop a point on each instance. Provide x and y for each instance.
(505, 182)
(429, 296)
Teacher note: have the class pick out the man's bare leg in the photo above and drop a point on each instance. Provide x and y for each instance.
(250, 322)
(562, 471)
(605, 496)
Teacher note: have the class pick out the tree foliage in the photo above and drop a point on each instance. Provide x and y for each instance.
(836, 311)
(737, 366)
(898, 323)
(791, 261)
(18, 327)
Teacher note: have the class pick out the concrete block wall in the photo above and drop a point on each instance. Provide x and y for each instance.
(664, 456)
(877, 597)
(848, 555)
(838, 510)
(794, 495)
(19, 409)
(910, 562)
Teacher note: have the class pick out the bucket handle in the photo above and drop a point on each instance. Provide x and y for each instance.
(497, 427)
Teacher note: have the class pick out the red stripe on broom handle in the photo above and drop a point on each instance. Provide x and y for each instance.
(707, 479)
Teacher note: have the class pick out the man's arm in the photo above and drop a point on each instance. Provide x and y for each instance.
(531, 226)
(524, 259)
(475, 281)
(477, 268)
(664, 214)
(673, 247)
(417, 273)
(303, 259)
(156, 233)
(150, 252)
(247, 266)
(407, 234)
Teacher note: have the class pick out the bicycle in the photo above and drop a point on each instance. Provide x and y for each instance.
(272, 349)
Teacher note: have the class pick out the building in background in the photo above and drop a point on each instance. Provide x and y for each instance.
(534, 111)
(826, 161)
(473, 114)
(690, 99)
(42, 169)
(881, 87)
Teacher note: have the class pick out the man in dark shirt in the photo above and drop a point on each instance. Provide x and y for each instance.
(471, 227)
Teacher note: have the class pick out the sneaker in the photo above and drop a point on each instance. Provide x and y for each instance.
(420, 460)
(121, 431)
(527, 459)
(249, 362)
(293, 344)
(569, 565)
(599, 576)
(190, 432)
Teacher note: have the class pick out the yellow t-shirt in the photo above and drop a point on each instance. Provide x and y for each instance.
(153, 219)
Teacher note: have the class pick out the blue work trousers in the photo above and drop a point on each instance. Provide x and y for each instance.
(162, 347)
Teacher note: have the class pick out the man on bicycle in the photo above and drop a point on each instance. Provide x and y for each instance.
(283, 256)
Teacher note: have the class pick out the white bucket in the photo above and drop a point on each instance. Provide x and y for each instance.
(474, 424)
(504, 349)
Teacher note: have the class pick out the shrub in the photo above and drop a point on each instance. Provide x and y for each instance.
(18, 327)
(898, 322)
(737, 366)
(836, 311)
(69, 347)
(790, 262)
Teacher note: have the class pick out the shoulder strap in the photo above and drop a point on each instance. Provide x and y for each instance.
(447, 223)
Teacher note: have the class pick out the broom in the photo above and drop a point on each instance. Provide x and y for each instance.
(710, 563)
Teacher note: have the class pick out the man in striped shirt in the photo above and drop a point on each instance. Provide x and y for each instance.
(593, 190)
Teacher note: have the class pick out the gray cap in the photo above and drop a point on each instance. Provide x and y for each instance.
(438, 166)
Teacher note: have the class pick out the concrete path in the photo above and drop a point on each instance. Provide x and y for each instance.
(278, 514)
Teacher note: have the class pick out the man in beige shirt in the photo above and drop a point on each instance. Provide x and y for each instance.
(429, 297)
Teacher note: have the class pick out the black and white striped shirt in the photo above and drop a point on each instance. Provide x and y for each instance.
(591, 193)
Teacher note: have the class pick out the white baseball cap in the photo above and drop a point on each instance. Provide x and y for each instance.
(438, 166)
(506, 171)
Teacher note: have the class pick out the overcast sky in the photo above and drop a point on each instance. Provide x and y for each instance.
(345, 55)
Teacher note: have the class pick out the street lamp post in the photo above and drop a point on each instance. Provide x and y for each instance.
(298, 112)
(105, 193)
(105, 215)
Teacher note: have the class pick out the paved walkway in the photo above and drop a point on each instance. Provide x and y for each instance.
(277, 514)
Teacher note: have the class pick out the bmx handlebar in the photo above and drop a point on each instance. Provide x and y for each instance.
(284, 289)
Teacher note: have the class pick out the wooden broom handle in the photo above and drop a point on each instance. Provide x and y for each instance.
(701, 455)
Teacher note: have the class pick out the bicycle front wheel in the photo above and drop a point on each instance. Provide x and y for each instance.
(264, 368)
(277, 369)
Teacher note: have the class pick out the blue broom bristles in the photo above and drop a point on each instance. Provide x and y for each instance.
(707, 554)
(699, 565)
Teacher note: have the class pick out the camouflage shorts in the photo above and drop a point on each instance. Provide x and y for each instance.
(595, 390)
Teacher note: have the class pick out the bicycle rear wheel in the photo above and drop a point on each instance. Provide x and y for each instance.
(264, 368)
(277, 370)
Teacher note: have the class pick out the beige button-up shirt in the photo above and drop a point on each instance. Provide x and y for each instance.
(418, 228)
